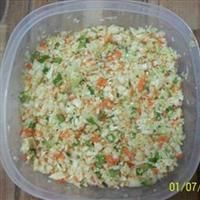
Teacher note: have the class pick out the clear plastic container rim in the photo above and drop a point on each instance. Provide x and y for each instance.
(67, 7)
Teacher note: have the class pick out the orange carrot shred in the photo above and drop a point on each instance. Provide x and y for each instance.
(58, 156)
(111, 160)
(155, 170)
(64, 135)
(28, 65)
(162, 140)
(106, 103)
(179, 155)
(27, 132)
(128, 153)
(43, 45)
(101, 82)
(141, 84)
(95, 138)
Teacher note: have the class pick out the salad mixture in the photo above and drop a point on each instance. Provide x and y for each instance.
(102, 107)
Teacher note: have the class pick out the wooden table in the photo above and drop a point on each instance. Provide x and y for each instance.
(188, 9)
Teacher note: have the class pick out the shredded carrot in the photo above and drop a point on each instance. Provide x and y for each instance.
(101, 82)
(161, 40)
(150, 101)
(179, 155)
(110, 58)
(23, 157)
(111, 160)
(174, 122)
(72, 97)
(128, 153)
(37, 133)
(58, 156)
(95, 138)
(141, 84)
(27, 132)
(116, 55)
(28, 65)
(43, 45)
(139, 111)
(82, 128)
(61, 181)
(130, 164)
(121, 66)
(155, 170)
(106, 103)
(131, 91)
(80, 132)
(162, 140)
(87, 101)
(64, 135)
(107, 38)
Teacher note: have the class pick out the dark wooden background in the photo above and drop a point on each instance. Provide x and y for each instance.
(189, 10)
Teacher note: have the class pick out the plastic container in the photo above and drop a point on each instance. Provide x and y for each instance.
(75, 15)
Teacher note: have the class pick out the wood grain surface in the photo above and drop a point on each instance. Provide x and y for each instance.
(189, 10)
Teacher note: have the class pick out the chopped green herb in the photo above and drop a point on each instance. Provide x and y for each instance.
(102, 115)
(56, 60)
(133, 134)
(98, 174)
(146, 182)
(76, 143)
(141, 170)
(32, 125)
(47, 144)
(45, 70)
(170, 109)
(113, 172)
(71, 119)
(82, 81)
(83, 40)
(57, 44)
(133, 109)
(175, 81)
(60, 118)
(118, 95)
(43, 58)
(146, 87)
(92, 121)
(100, 160)
(32, 154)
(129, 83)
(158, 115)
(90, 89)
(68, 154)
(101, 94)
(111, 138)
(58, 80)
(88, 143)
(154, 158)
(35, 55)
(24, 97)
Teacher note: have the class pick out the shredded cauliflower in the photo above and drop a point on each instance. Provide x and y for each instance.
(102, 107)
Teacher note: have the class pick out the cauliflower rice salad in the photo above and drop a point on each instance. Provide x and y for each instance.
(102, 107)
